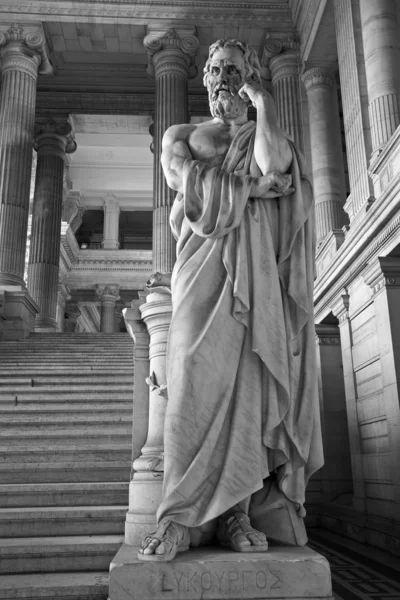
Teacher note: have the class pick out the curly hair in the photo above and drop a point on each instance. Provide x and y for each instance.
(251, 62)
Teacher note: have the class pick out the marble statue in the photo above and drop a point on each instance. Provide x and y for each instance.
(242, 431)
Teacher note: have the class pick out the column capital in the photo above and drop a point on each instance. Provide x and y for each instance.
(110, 202)
(171, 50)
(383, 272)
(318, 77)
(54, 136)
(24, 48)
(340, 308)
(326, 335)
(285, 65)
(108, 293)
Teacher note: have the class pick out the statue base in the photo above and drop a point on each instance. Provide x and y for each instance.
(210, 573)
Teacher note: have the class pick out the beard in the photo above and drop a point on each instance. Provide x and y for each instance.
(227, 104)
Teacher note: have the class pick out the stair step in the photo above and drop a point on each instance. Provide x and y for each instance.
(60, 586)
(72, 396)
(62, 553)
(24, 419)
(64, 453)
(64, 494)
(66, 470)
(63, 386)
(36, 435)
(62, 521)
(68, 408)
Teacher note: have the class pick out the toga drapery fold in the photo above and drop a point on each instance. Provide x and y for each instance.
(242, 391)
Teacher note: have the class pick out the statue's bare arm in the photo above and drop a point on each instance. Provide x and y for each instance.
(268, 133)
(175, 151)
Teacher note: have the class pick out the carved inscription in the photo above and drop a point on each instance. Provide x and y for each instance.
(222, 581)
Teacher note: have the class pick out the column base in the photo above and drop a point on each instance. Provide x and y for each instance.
(45, 325)
(17, 313)
(217, 574)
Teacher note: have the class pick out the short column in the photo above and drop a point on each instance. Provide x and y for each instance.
(108, 295)
(381, 38)
(326, 152)
(111, 224)
(170, 58)
(341, 310)
(53, 139)
(286, 85)
(63, 294)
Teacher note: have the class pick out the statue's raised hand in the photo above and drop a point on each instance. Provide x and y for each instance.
(272, 185)
(253, 92)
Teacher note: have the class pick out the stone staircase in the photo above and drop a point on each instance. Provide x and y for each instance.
(65, 449)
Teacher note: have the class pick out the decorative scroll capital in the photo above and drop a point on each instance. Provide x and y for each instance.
(26, 41)
(285, 65)
(110, 203)
(179, 47)
(108, 293)
(317, 77)
(54, 136)
(327, 335)
(340, 308)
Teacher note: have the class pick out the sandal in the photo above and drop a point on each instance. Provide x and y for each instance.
(178, 538)
(235, 525)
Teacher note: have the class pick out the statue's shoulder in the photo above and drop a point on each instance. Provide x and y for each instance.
(177, 133)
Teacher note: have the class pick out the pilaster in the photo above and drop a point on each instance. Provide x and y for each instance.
(383, 276)
(327, 163)
(53, 139)
(336, 473)
(171, 61)
(380, 32)
(340, 309)
(73, 210)
(108, 295)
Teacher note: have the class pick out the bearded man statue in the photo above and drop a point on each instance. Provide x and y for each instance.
(242, 430)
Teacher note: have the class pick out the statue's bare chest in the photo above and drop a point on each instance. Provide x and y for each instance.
(210, 144)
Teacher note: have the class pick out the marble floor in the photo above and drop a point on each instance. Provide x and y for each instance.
(358, 572)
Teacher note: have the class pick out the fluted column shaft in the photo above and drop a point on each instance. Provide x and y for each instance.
(286, 85)
(52, 141)
(381, 39)
(171, 72)
(19, 65)
(326, 153)
(108, 296)
(111, 224)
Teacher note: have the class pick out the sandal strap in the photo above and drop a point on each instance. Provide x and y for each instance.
(161, 533)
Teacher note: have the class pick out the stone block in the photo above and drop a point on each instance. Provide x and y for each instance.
(18, 312)
(214, 574)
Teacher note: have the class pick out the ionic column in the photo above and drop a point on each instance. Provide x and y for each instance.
(326, 151)
(380, 31)
(22, 51)
(286, 85)
(108, 295)
(63, 294)
(53, 139)
(170, 57)
(111, 224)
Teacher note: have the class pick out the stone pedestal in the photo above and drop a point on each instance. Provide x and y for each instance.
(108, 295)
(18, 312)
(326, 152)
(146, 485)
(53, 139)
(171, 56)
(216, 574)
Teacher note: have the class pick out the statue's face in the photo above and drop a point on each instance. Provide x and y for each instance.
(225, 78)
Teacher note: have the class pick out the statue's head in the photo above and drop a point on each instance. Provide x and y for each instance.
(229, 66)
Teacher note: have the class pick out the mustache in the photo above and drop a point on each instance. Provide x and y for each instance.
(214, 92)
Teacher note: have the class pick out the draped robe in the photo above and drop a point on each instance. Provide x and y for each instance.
(241, 368)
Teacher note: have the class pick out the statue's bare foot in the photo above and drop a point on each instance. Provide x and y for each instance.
(235, 532)
(162, 545)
